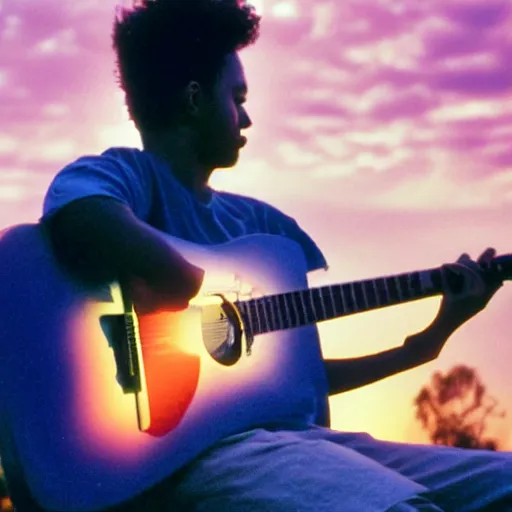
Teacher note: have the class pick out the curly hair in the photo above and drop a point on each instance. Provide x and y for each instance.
(162, 45)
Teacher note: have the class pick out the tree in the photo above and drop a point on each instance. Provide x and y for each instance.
(454, 409)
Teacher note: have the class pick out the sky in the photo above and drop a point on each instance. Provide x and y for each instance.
(383, 126)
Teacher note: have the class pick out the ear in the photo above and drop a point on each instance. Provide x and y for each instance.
(193, 96)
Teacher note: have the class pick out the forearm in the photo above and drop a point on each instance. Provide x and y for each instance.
(347, 374)
(102, 239)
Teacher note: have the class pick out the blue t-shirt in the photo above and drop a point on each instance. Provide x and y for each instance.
(145, 183)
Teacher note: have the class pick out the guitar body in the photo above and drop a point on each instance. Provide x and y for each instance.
(68, 429)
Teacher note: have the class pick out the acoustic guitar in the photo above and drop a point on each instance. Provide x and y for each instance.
(98, 404)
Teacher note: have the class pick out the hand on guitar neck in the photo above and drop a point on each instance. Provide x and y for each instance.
(480, 286)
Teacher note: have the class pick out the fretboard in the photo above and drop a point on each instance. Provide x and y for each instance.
(304, 307)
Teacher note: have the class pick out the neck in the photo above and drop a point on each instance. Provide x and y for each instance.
(175, 149)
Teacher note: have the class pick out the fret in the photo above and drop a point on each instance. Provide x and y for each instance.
(405, 289)
(301, 311)
(303, 305)
(353, 297)
(322, 304)
(293, 312)
(312, 301)
(309, 308)
(243, 307)
(317, 303)
(398, 290)
(266, 326)
(266, 314)
(388, 292)
(251, 318)
(339, 301)
(346, 292)
(377, 301)
(392, 290)
(328, 298)
(269, 312)
(258, 318)
(333, 301)
(416, 287)
(359, 297)
(282, 311)
(370, 295)
(365, 298)
(295, 308)
(382, 291)
(271, 307)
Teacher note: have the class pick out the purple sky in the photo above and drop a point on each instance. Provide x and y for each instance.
(383, 126)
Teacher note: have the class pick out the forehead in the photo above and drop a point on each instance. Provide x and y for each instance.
(233, 75)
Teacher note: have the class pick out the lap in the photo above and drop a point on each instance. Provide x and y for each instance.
(461, 479)
(283, 471)
(323, 470)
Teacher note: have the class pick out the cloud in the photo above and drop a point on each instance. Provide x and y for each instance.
(379, 98)
(12, 193)
(481, 82)
(410, 88)
(56, 110)
(63, 42)
(19, 184)
(477, 15)
(437, 190)
(8, 144)
(472, 109)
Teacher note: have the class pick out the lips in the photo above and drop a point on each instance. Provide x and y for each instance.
(242, 141)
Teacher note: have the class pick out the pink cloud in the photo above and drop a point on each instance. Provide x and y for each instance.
(482, 15)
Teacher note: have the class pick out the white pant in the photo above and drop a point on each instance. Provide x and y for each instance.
(319, 470)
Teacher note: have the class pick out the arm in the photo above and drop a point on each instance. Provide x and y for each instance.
(347, 374)
(102, 239)
(421, 348)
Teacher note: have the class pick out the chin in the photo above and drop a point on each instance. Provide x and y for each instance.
(228, 160)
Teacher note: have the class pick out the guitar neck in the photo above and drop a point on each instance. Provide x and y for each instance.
(305, 307)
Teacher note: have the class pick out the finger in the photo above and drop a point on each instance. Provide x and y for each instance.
(463, 258)
(466, 262)
(472, 281)
(487, 256)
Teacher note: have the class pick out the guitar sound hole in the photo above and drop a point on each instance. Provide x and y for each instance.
(222, 333)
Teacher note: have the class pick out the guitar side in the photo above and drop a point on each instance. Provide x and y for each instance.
(76, 438)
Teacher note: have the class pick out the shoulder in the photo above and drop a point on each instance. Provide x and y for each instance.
(118, 173)
(114, 161)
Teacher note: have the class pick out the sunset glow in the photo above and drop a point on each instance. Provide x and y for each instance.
(383, 126)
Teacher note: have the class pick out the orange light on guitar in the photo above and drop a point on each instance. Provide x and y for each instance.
(109, 419)
(172, 374)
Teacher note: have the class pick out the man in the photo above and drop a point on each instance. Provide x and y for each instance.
(180, 68)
